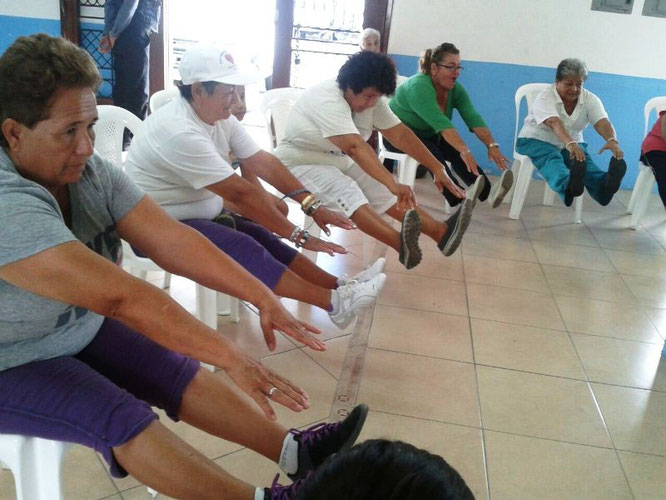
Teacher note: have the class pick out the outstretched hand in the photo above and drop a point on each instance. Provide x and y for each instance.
(273, 316)
(613, 147)
(443, 181)
(406, 197)
(318, 245)
(323, 216)
(262, 384)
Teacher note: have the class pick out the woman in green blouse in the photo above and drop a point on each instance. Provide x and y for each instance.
(425, 103)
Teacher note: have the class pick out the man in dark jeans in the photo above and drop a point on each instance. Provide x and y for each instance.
(127, 28)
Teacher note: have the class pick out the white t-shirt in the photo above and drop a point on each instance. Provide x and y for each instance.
(588, 110)
(175, 156)
(322, 112)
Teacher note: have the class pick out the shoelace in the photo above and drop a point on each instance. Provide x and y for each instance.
(347, 290)
(281, 492)
(312, 434)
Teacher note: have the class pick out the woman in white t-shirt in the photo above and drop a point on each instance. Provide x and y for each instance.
(552, 137)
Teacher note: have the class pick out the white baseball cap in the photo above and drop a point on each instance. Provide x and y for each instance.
(207, 63)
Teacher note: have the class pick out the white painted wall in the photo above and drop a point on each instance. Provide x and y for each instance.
(533, 33)
(40, 9)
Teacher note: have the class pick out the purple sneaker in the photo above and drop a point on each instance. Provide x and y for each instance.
(279, 492)
(320, 441)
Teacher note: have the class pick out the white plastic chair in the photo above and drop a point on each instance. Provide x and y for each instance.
(274, 107)
(161, 97)
(525, 166)
(108, 143)
(36, 465)
(640, 196)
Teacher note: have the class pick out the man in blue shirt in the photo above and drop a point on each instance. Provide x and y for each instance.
(127, 28)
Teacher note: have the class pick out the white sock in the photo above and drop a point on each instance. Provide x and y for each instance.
(289, 455)
(335, 302)
(259, 494)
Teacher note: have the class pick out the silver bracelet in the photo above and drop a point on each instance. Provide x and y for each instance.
(294, 233)
(302, 240)
(493, 145)
(569, 144)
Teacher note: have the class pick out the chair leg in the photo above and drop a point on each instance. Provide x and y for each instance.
(315, 231)
(548, 196)
(520, 188)
(642, 201)
(637, 188)
(578, 205)
(167, 280)
(407, 171)
(41, 464)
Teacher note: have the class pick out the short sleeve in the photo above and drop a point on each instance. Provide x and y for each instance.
(29, 224)
(331, 117)
(595, 108)
(544, 107)
(123, 194)
(194, 159)
(241, 143)
(383, 117)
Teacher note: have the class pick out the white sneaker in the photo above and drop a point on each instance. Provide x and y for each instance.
(365, 275)
(356, 296)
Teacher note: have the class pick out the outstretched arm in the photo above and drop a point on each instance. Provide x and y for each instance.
(605, 129)
(494, 153)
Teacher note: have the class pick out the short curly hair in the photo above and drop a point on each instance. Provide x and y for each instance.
(33, 68)
(368, 69)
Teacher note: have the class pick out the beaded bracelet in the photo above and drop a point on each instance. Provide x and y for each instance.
(294, 193)
(302, 239)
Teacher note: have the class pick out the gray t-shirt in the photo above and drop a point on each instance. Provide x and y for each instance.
(34, 327)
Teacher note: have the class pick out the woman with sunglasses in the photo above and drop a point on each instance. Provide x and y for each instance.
(425, 103)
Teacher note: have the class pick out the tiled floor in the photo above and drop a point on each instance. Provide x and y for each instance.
(530, 359)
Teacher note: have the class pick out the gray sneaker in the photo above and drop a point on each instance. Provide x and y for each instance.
(355, 296)
(410, 252)
(502, 188)
(456, 227)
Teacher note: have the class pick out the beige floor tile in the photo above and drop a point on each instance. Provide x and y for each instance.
(305, 373)
(598, 317)
(141, 493)
(538, 215)
(460, 446)
(578, 256)
(498, 247)
(84, 476)
(646, 475)
(649, 290)
(635, 417)
(525, 348)
(433, 265)
(424, 294)
(587, 284)
(627, 240)
(511, 305)
(658, 318)
(540, 406)
(507, 273)
(252, 468)
(7, 486)
(622, 362)
(421, 387)
(496, 224)
(425, 333)
(565, 233)
(635, 263)
(333, 357)
(522, 468)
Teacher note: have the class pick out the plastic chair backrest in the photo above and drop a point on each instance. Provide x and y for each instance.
(657, 104)
(275, 107)
(161, 97)
(529, 91)
(399, 80)
(109, 130)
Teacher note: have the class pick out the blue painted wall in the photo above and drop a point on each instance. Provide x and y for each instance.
(492, 87)
(11, 27)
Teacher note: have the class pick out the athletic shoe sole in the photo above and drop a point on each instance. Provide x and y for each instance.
(616, 170)
(505, 183)
(410, 252)
(363, 413)
(454, 234)
(577, 178)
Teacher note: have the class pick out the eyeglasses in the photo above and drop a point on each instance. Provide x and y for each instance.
(451, 68)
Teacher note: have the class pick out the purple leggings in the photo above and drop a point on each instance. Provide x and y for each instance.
(99, 398)
(253, 246)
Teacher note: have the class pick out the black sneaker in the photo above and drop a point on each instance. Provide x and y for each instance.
(576, 184)
(616, 170)
(226, 220)
(410, 252)
(456, 227)
(320, 441)
(280, 492)
(502, 188)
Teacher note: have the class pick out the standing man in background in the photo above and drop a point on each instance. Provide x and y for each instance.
(127, 28)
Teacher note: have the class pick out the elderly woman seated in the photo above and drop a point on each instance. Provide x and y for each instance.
(85, 348)
(552, 137)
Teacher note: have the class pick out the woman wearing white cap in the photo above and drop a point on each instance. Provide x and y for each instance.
(181, 159)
